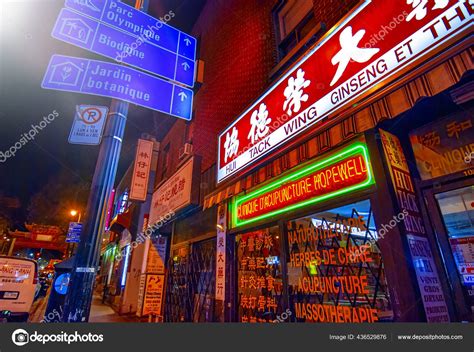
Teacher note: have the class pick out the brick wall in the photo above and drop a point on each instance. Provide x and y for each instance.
(237, 47)
(331, 11)
(237, 43)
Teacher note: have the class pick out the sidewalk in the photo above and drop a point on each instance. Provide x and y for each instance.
(103, 313)
(38, 309)
(100, 312)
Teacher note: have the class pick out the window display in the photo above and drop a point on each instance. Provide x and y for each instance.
(335, 268)
(260, 284)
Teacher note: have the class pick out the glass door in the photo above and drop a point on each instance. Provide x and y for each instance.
(457, 214)
(451, 215)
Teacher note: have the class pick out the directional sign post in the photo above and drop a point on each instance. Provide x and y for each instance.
(78, 299)
(88, 124)
(93, 77)
(97, 37)
(74, 232)
(129, 36)
(126, 18)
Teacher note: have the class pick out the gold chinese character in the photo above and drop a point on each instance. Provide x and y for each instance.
(270, 283)
(261, 303)
(244, 302)
(430, 139)
(271, 303)
(261, 263)
(268, 241)
(252, 282)
(251, 244)
(243, 282)
(251, 264)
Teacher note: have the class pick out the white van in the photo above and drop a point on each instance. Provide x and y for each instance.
(18, 281)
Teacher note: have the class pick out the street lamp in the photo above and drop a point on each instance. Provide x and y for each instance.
(74, 212)
(71, 249)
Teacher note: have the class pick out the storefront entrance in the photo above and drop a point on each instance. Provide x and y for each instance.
(451, 210)
(190, 289)
(326, 266)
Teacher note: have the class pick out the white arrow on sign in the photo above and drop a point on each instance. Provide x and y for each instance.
(185, 66)
(187, 41)
(183, 96)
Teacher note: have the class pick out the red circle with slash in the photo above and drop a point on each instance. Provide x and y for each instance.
(91, 115)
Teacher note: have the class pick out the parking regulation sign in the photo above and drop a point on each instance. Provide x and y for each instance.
(88, 124)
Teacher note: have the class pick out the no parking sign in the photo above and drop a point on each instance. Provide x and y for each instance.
(88, 124)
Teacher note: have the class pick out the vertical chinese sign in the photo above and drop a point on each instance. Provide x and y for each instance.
(221, 254)
(423, 261)
(141, 170)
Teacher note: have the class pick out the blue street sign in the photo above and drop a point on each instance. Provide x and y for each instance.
(74, 232)
(89, 34)
(73, 74)
(138, 23)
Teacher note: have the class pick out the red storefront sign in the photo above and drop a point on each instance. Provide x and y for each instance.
(344, 172)
(370, 48)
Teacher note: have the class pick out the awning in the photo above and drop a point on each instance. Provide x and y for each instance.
(121, 221)
(218, 196)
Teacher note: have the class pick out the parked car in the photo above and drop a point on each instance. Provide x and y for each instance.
(18, 285)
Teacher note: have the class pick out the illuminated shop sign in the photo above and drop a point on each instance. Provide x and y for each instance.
(370, 48)
(347, 171)
(176, 193)
(444, 147)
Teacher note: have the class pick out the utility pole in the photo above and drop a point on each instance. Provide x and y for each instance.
(79, 295)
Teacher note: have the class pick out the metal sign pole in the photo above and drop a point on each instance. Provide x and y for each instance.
(79, 296)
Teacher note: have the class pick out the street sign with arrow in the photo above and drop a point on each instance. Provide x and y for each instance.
(87, 33)
(87, 76)
(126, 18)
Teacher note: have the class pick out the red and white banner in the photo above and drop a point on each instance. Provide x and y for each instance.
(370, 48)
(141, 170)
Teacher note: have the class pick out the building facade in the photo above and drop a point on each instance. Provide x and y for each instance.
(326, 175)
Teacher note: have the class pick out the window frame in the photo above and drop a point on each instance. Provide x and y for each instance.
(294, 36)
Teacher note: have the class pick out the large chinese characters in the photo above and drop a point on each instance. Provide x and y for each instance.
(141, 170)
(346, 67)
(445, 147)
(259, 276)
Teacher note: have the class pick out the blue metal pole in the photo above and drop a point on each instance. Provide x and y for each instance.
(79, 296)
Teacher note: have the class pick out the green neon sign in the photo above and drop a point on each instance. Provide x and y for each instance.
(355, 150)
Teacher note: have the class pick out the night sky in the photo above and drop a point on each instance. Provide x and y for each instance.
(25, 49)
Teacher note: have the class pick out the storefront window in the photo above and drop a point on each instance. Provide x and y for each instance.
(457, 211)
(445, 147)
(335, 268)
(259, 276)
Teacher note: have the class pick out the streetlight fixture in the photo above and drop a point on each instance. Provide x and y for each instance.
(74, 212)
